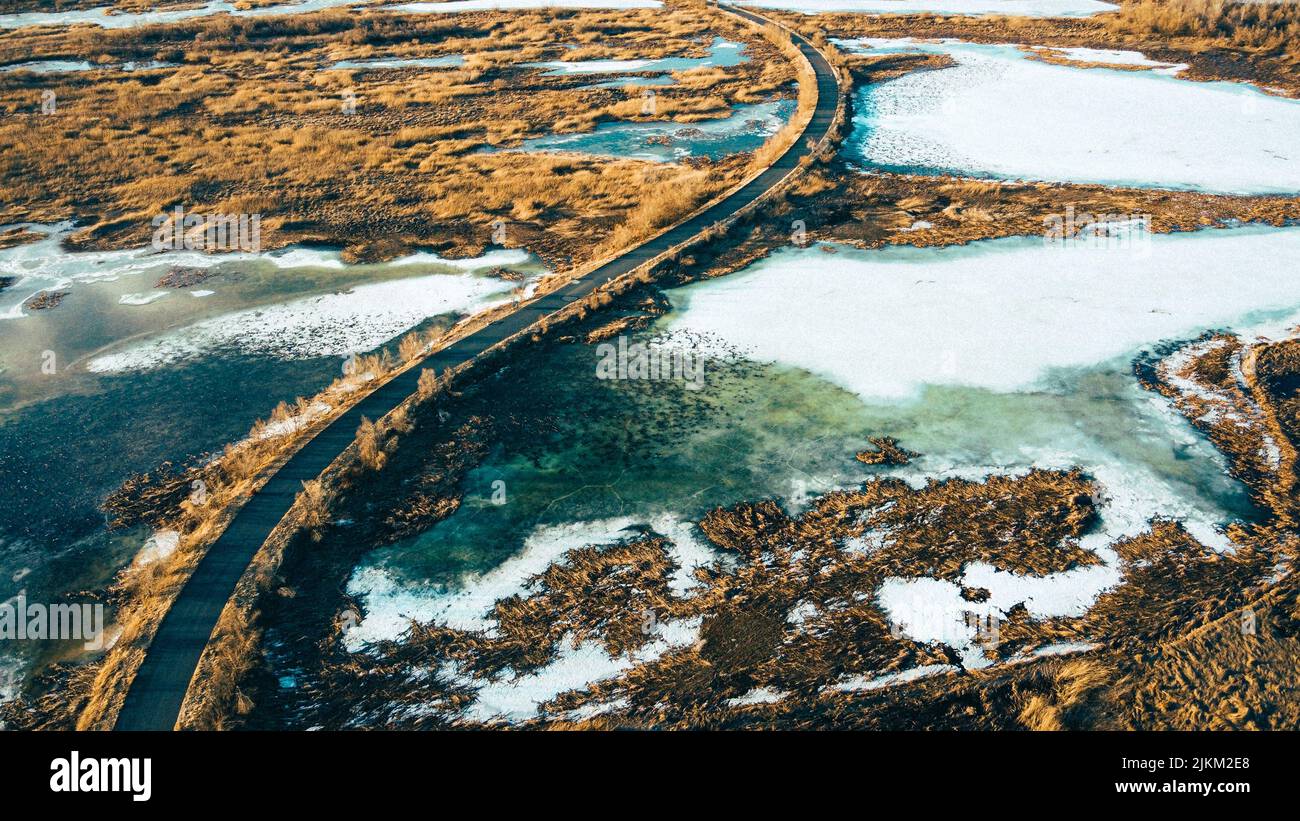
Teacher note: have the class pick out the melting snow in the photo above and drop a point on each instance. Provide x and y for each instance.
(390, 604)
(997, 314)
(998, 113)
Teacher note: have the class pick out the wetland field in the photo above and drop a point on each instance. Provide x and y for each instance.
(974, 403)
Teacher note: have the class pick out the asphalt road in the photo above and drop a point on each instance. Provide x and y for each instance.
(154, 699)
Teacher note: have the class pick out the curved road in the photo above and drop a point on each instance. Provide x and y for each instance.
(154, 699)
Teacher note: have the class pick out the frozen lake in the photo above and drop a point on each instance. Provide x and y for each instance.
(998, 113)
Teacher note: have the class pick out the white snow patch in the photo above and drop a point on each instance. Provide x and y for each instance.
(932, 610)
(108, 17)
(457, 6)
(141, 299)
(999, 113)
(337, 324)
(1113, 57)
(868, 542)
(517, 698)
(688, 551)
(46, 265)
(592, 66)
(801, 613)
(876, 682)
(159, 546)
(758, 695)
(1064, 648)
(596, 709)
(1221, 406)
(996, 314)
(495, 258)
(390, 605)
(49, 66)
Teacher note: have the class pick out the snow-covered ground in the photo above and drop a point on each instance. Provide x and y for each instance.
(359, 319)
(1113, 57)
(721, 53)
(49, 66)
(46, 265)
(874, 682)
(344, 321)
(971, 8)
(445, 61)
(1010, 316)
(391, 604)
(513, 698)
(997, 314)
(1129, 494)
(106, 17)
(61, 66)
(1001, 114)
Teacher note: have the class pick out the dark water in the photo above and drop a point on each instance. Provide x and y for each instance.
(71, 433)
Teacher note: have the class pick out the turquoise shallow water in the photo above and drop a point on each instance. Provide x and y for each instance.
(586, 448)
(580, 449)
(642, 449)
(745, 129)
(722, 54)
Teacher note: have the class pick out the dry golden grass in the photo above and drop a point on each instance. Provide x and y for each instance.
(250, 123)
(887, 452)
(148, 595)
(1263, 27)
(1254, 42)
(1072, 681)
(1251, 418)
(881, 209)
(602, 593)
(314, 503)
(1236, 674)
(227, 658)
(370, 445)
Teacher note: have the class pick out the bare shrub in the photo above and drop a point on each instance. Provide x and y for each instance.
(370, 445)
(313, 503)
